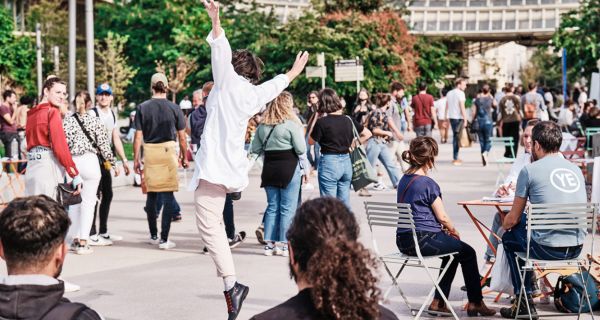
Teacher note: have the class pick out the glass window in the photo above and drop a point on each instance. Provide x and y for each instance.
(484, 25)
(418, 26)
(431, 25)
(549, 1)
(523, 24)
(471, 24)
(457, 25)
(537, 23)
(418, 3)
(478, 3)
(551, 23)
(531, 2)
(516, 2)
(497, 25)
(498, 3)
(458, 3)
(510, 24)
(437, 3)
(445, 25)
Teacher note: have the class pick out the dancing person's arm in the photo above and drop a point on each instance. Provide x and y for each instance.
(220, 53)
(442, 217)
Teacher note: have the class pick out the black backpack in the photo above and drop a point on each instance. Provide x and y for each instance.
(65, 310)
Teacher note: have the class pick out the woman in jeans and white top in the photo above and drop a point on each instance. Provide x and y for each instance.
(85, 156)
(48, 153)
(384, 130)
(436, 233)
(280, 137)
(335, 133)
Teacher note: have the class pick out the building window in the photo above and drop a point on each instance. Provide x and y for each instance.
(510, 24)
(418, 3)
(478, 3)
(523, 24)
(516, 2)
(551, 23)
(531, 2)
(498, 3)
(437, 3)
(445, 25)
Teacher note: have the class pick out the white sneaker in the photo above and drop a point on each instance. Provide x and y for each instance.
(268, 251)
(166, 245)
(154, 240)
(308, 186)
(96, 240)
(111, 237)
(285, 252)
(379, 187)
(83, 249)
(71, 287)
(277, 251)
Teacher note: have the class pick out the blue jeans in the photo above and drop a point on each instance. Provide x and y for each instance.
(281, 207)
(435, 243)
(423, 131)
(515, 240)
(485, 134)
(335, 176)
(152, 213)
(457, 126)
(379, 150)
(497, 229)
(313, 158)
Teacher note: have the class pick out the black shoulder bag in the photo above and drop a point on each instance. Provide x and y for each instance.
(103, 162)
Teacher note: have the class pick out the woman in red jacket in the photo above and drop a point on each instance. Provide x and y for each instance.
(48, 153)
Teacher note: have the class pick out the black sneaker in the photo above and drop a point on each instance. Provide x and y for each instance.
(235, 298)
(511, 313)
(239, 238)
(235, 196)
(176, 218)
(260, 234)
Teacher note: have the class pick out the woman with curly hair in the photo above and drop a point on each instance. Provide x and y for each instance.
(280, 138)
(436, 233)
(334, 272)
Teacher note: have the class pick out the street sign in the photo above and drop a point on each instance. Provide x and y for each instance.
(344, 73)
(315, 72)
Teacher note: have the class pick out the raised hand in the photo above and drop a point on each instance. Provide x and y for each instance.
(212, 8)
(299, 64)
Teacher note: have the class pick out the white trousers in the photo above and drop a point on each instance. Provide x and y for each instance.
(82, 215)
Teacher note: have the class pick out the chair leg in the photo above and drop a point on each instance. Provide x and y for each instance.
(585, 293)
(436, 286)
(395, 283)
(522, 277)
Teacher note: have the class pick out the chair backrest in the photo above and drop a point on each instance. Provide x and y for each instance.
(589, 132)
(503, 142)
(561, 216)
(390, 215)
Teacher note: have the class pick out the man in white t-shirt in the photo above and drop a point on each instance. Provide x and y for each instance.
(443, 123)
(186, 105)
(221, 164)
(455, 111)
(104, 99)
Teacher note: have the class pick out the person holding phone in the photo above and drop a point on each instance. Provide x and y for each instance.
(436, 232)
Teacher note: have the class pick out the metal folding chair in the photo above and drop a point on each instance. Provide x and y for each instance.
(562, 216)
(499, 145)
(399, 215)
(589, 133)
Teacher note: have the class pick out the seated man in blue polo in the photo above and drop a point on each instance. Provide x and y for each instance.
(550, 178)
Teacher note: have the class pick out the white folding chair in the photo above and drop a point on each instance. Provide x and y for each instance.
(399, 215)
(564, 216)
(499, 145)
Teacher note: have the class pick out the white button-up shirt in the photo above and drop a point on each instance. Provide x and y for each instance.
(221, 158)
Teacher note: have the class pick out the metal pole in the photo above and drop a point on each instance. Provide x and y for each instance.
(56, 60)
(89, 46)
(357, 76)
(564, 75)
(72, 46)
(323, 76)
(38, 54)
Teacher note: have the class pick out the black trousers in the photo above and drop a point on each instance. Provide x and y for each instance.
(511, 129)
(105, 194)
(228, 217)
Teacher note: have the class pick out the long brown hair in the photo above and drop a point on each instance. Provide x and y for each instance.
(323, 239)
(279, 110)
(420, 154)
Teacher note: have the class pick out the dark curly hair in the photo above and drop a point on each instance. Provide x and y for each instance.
(323, 239)
(247, 65)
(421, 152)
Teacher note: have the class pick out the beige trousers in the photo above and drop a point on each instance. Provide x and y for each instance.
(209, 200)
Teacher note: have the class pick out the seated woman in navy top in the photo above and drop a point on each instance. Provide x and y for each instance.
(435, 231)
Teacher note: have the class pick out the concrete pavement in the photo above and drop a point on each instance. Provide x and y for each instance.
(134, 280)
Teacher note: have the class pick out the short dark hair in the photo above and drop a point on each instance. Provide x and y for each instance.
(548, 135)
(531, 85)
(485, 89)
(31, 229)
(160, 87)
(382, 99)
(329, 101)
(247, 65)
(7, 94)
(396, 86)
(458, 81)
(422, 86)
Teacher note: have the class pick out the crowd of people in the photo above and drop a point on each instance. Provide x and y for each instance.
(78, 143)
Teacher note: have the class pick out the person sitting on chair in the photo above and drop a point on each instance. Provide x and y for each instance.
(436, 233)
(550, 178)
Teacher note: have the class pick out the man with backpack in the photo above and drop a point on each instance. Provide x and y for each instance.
(533, 105)
(32, 242)
(104, 99)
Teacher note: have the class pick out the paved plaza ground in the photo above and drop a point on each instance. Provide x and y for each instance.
(135, 280)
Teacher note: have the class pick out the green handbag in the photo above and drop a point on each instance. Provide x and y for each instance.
(363, 173)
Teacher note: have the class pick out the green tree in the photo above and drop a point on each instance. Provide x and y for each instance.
(363, 6)
(17, 57)
(544, 68)
(112, 65)
(435, 62)
(579, 34)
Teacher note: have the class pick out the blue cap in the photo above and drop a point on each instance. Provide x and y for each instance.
(104, 88)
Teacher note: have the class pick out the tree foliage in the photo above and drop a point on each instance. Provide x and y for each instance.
(112, 65)
(17, 57)
(579, 33)
(435, 62)
(544, 68)
(363, 6)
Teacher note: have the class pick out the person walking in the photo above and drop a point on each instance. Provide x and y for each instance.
(423, 110)
(533, 104)
(8, 125)
(363, 106)
(90, 147)
(313, 152)
(510, 119)
(158, 123)
(383, 129)
(48, 154)
(221, 164)
(455, 111)
(482, 115)
(103, 111)
(280, 138)
(197, 118)
(442, 121)
(335, 133)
